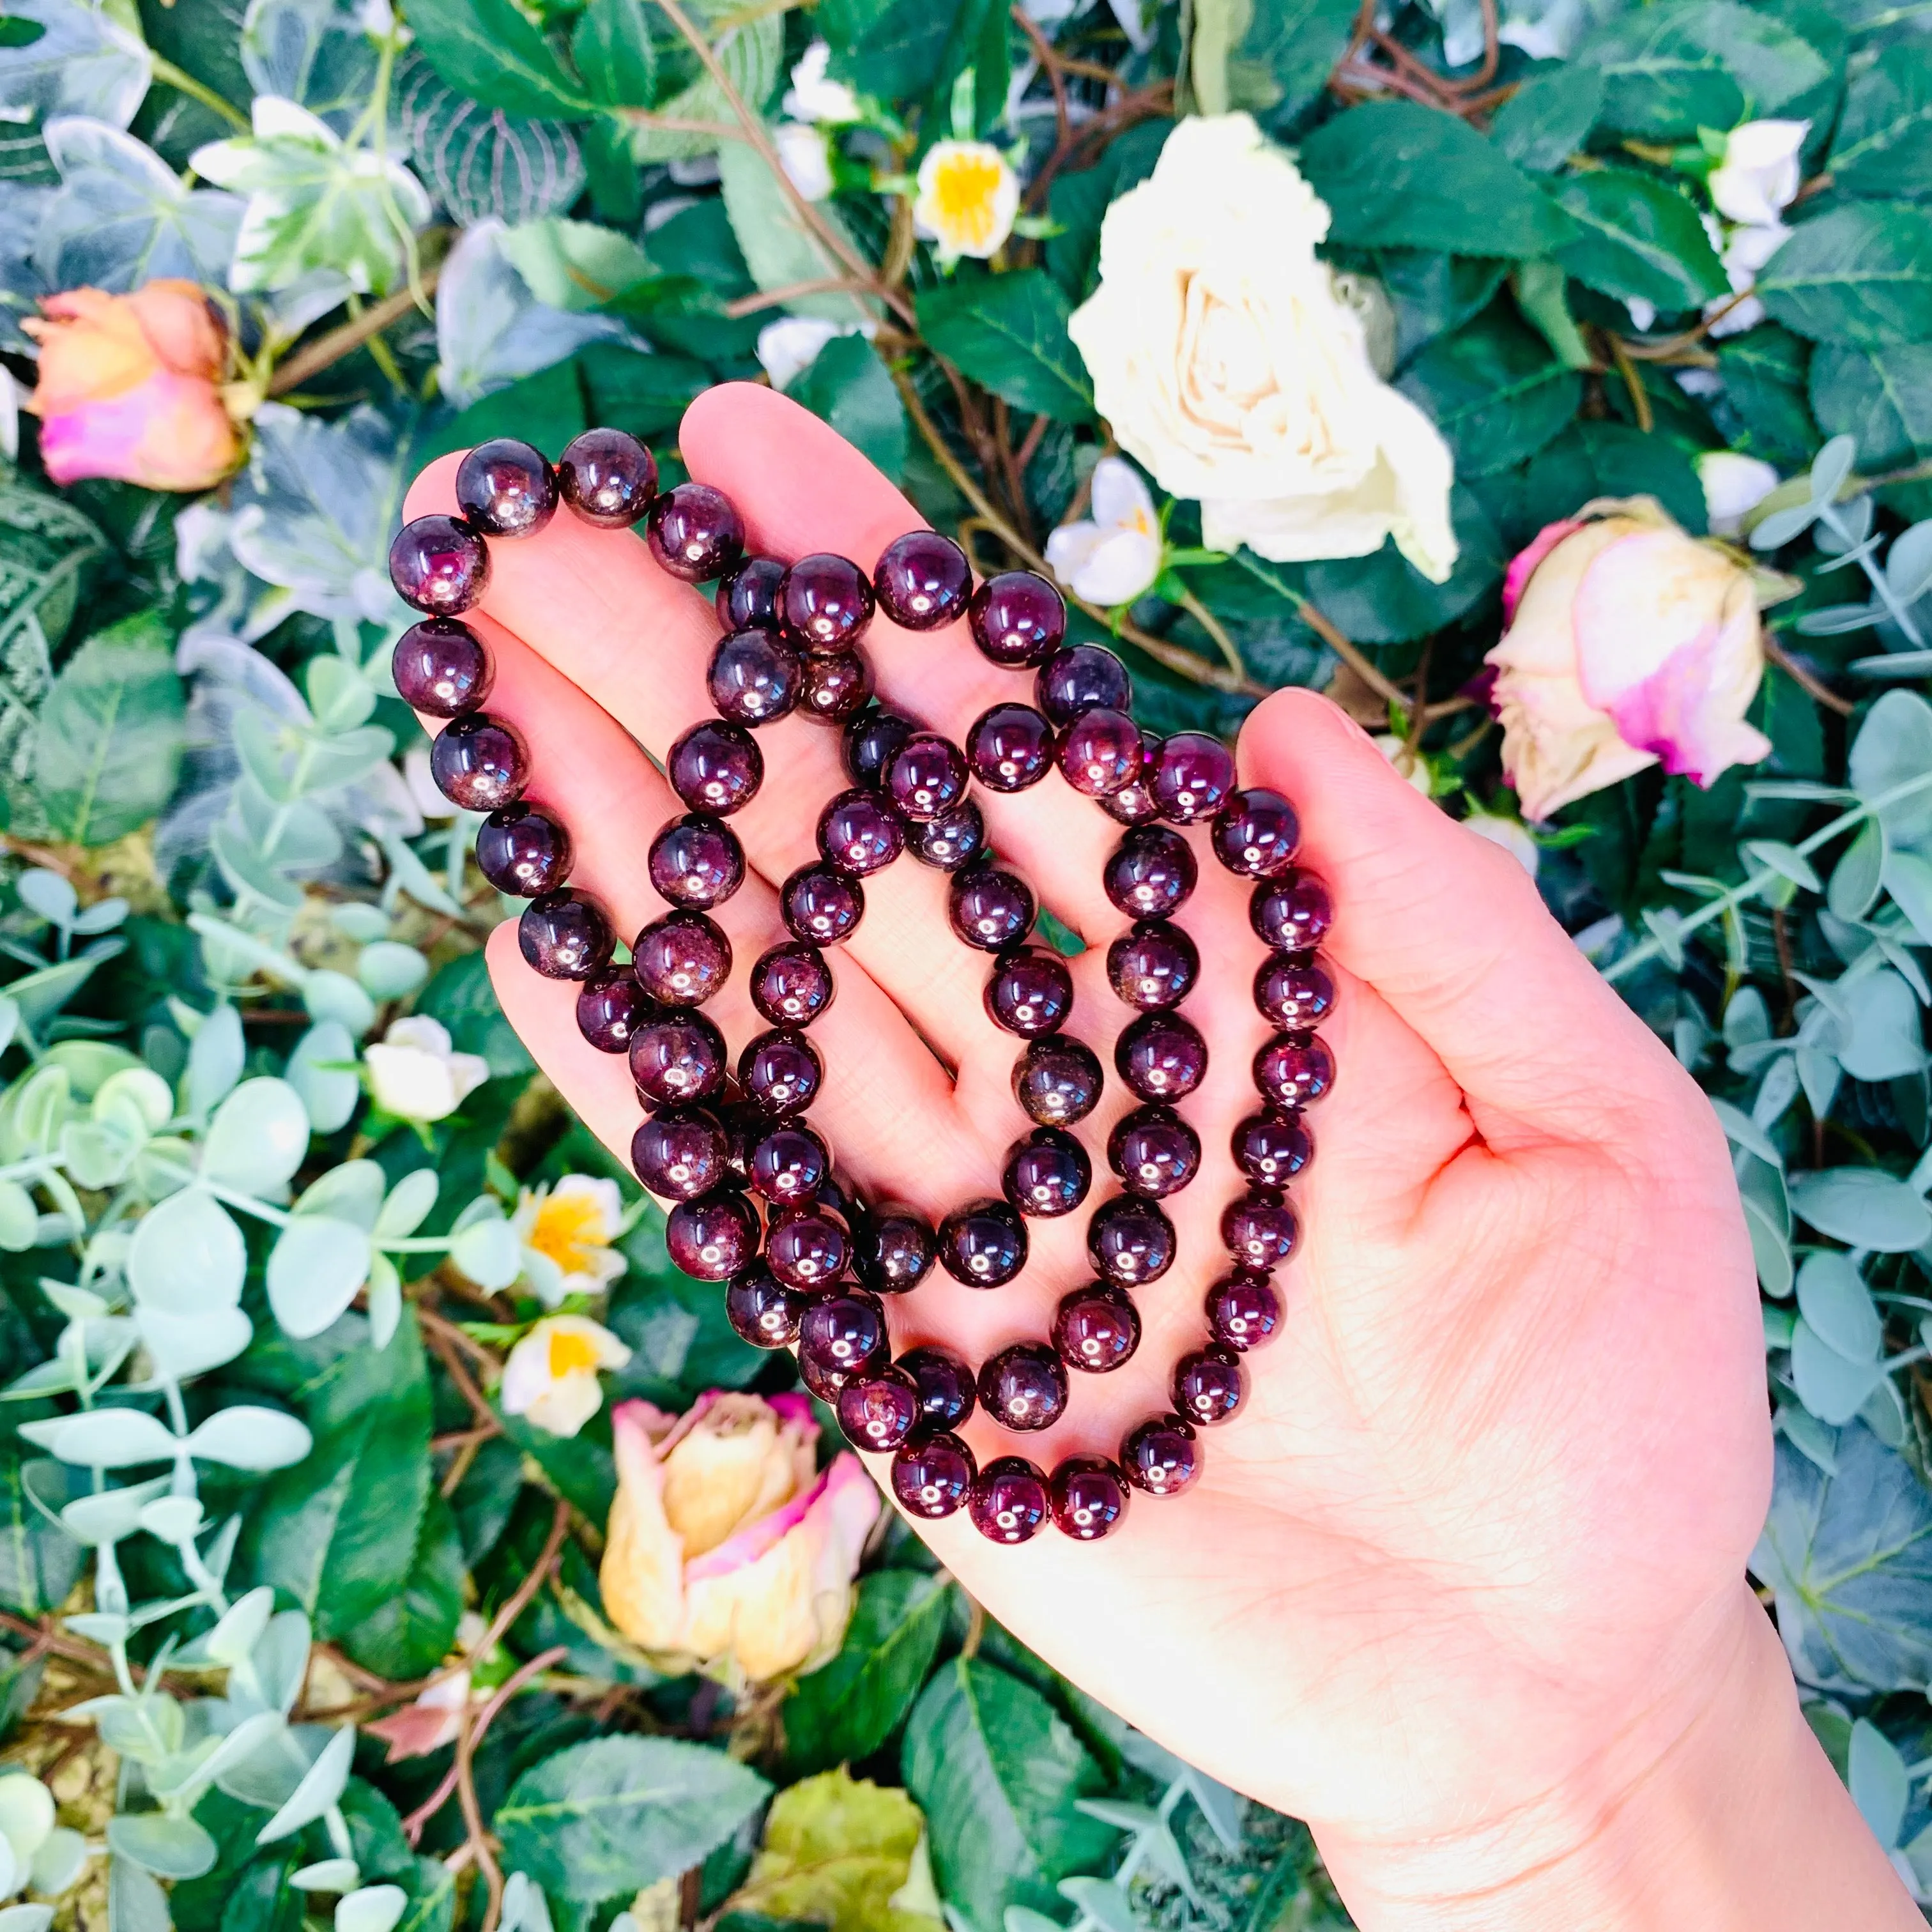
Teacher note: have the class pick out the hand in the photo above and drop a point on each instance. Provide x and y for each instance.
(1462, 1585)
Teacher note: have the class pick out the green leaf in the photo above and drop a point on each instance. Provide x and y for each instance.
(1861, 274)
(39, 1563)
(615, 54)
(1008, 333)
(411, 1631)
(1496, 393)
(1079, 201)
(847, 385)
(1383, 599)
(1883, 145)
(1613, 459)
(481, 161)
(1763, 407)
(489, 50)
(1880, 396)
(779, 249)
(578, 265)
(621, 1812)
(1550, 116)
(1864, 1208)
(1641, 240)
(48, 551)
(893, 52)
(1396, 175)
(751, 54)
(1434, 294)
(836, 1850)
(1269, 57)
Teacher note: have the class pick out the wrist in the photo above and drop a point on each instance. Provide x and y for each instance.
(1714, 1807)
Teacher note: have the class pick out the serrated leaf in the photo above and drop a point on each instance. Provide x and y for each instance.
(1008, 333)
(1883, 144)
(489, 50)
(1640, 239)
(1671, 68)
(1860, 273)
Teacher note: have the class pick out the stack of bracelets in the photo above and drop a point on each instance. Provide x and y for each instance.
(754, 1201)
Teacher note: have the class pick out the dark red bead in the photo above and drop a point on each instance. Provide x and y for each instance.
(1154, 1151)
(1244, 1310)
(1161, 1056)
(820, 906)
(505, 488)
(1083, 677)
(1294, 1072)
(714, 1238)
(715, 766)
(825, 603)
(1030, 992)
(1009, 1501)
(922, 581)
(1100, 753)
(676, 1058)
(810, 1248)
(1151, 874)
(1024, 1387)
(871, 742)
(945, 1382)
(1255, 833)
(681, 1153)
(1010, 748)
(843, 1334)
(837, 686)
(780, 1072)
(755, 676)
(480, 763)
(787, 1164)
(682, 959)
(859, 833)
(1160, 1457)
(1130, 1241)
(762, 1309)
(983, 1244)
(696, 861)
(1088, 1497)
(1097, 1328)
(1047, 1174)
(926, 778)
(1208, 1384)
(695, 532)
(565, 937)
(791, 984)
(1292, 915)
(1192, 777)
(1258, 1229)
(747, 597)
(1018, 618)
(1058, 1081)
(955, 838)
(1271, 1148)
(441, 666)
(991, 908)
(879, 1410)
(932, 1477)
(1295, 993)
(744, 1126)
(1153, 966)
(896, 1249)
(440, 565)
(523, 851)
(608, 478)
(610, 1008)
(1134, 804)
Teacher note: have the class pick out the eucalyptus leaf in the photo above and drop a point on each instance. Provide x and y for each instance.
(188, 1257)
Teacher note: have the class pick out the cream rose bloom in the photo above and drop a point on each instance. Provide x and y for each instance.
(1233, 366)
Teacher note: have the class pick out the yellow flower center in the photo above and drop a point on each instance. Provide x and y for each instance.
(569, 1228)
(964, 187)
(569, 1352)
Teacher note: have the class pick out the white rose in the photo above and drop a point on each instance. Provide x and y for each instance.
(1233, 367)
(805, 158)
(1758, 176)
(416, 1074)
(1113, 556)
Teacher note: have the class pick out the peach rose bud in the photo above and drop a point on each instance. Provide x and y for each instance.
(129, 387)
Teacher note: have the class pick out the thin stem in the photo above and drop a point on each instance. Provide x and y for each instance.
(1213, 625)
(1874, 576)
(764, 298)
(182, 81)
(331, 348)
(1803, 679)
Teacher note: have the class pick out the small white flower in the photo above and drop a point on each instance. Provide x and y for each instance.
(789, 345)
(423, 787)
(1758, 176)
(1113, 556)
(1734, 486)
(806, 156)
(813, 95)
(1745, 252)
(551, 1374)
(968, 199)
(415, 1073)
(1511, 834)
(1408, 766)
(565, 1232)
(1643, 314)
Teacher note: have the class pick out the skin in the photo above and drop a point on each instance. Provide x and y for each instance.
(1463, 1583)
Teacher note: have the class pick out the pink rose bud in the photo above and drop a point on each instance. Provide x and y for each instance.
(129, 387)
(1630, 642)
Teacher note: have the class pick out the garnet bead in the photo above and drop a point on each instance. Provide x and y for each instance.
(1192, 777)
(990, 908)
(932, 1477)
(780, 1072)
(1296, 994)
(1153, 965)
(787, 1164)
(1084, 677)
(1100, 753)
(1134, 804)
(1293, 1073)
(1047, 1174)
(926, 778)
(479, 762)
(837, 684)
(953, 839)
(1017, 620)
(505, 488)
(872, 741)
(682, 959)
(983, 1244)
(1088, 1497)
(755, 676)
(715, 766)
(711, 1239)
(1259, 1229)
(946, 1394)
(820, 906)
(440, 667)
(1010, 748)
(1244, 1310)
(1154, 1151)
(825, 602)
(607, 478)
(1024, 1387)
(922, 581)
(859, 833)
(843, 1334)
(564, 936)
(1161, 1056)
(1256, 833)
(523, 851)
(695, 532)
(1058, 1081)
(440, 565)
(696, 861)
(1130, 1241)
(811, 1248)
(610, 1007)
(1097, 1328)
(1272, 1148)
(791, 984)
(678, 1057)
(1009, 1501)
(747, 597)
(879, 1410)
(680, 1153)
(764, 1310)
(1293, 914)
(1030, 992)
(896, 1249)
(1159, 1456)
(1150, 873)
(1209, 1384)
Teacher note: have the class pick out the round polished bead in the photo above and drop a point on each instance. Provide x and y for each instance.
(747, 597)
(1088, 1497)
(1294, 1072)
(1161, 1056)
(1259, 1230)
(610, 1007)
(1151, 874)
(1082, 677)
(878, 1411)
(744, 1126)
(715, 766)
(990, 908)
(1130, 1241)
(1153, 966)
(983, 1244)
(1058, 1081)
(681, 1153)
(1047, 1174)
(440, 565)
(1009, 1501)
(954, 839)
(1096, 1328)
(1255, 833)
(1208, 1384)
(788, 1163)
(764, 1310)
(837, 684)
(1134, 804)
(608, 478)
(755, 676)
(679, 1057)
(523, 851)
(505, 488)
(696, 861)
(926, 776)
(945, 1382)
(791, 983)
(933, 1476)
(1024, 1387)
(859, 833)
(1292, 914)
(1009, 747)
(811, 1248)
(1030, 992)
(1192, 777)
(564, 937)
(871, 742)
(843, 1334)
(922, 581)
(1159, 1456)
(780, 1072)
(825, 602)
(1271, 1148)
(480, 763)
(695, 532)
(1296, 994)
(896, 1248)
(1017, 620)
(441, 666)
(714, 1238)
(1100, 753)
(682, 959)
(1244, 1310)
(1154, 1151)
(820, 906)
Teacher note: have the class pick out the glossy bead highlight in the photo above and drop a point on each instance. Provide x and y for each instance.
(1097, 1328)
(682, 959)
(564, 937)
(715, 766)
(610, 1007)
(1024, 1387)
(480, 763)
(983, 1244)
(1017, 620)
(1088, 1497)
(922, 581)
(1058, 1081)
(523, 851)
(441, 666)
(439, 564)
(505, 488)
(1009, 1501)
(695, 532)
(755, 677)
(607, 478)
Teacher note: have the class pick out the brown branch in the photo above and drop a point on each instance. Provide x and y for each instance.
(671, 124)
(1646, 420)
(1030, 444)
(1803, 679)
(762, 298)
(331, 348)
